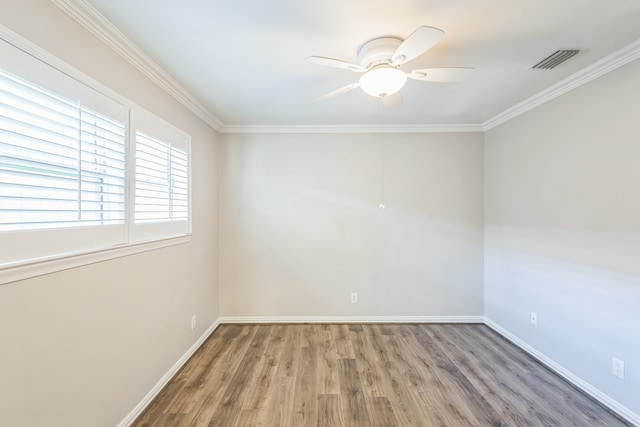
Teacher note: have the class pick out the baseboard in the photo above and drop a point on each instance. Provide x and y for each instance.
(598, 395)
(140, 407)
(352, 319)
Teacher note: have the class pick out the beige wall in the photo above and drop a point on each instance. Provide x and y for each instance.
(301, 227)
(83, 347)
(562, 236)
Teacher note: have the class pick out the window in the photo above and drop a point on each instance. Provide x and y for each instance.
(61, 164)
(161, 190)
(80, 171)
(161, 181)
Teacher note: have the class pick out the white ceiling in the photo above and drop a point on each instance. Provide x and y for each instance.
(244, 60)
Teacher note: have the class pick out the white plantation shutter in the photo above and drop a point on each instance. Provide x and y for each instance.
(179, 184)
(79, 171)
(62, 171)
(61, 164)
(153, 201)
(102, 192)
(161, 179)
(38, 157)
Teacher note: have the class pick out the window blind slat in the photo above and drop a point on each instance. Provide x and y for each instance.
(33, 167)
(35, 118)
(34, 154)
(104, 170)
(22, 89)
(44, 106)
(151, 192)
(91, 123)
(25, 226)
(111, 148)
(155, 163)
(16, 136)
(37, 180)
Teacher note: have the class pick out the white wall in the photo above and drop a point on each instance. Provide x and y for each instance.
(562, 235)
(82, 347)
(301, 227)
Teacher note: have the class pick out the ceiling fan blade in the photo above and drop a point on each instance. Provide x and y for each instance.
(441, 74)
(391, 101)
(421, 40)
(336, 63)
(339, 91)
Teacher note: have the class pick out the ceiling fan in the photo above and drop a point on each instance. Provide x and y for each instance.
(380, 60)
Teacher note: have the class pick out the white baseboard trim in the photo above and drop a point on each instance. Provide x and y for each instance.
(601, 397)
(140, 407)
(352, 319)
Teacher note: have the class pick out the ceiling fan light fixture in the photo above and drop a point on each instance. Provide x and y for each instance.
(382, 81)
(380, 60)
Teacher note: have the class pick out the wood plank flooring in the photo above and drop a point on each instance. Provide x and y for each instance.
(367, 375)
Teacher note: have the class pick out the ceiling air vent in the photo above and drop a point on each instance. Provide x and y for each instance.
(555, 59)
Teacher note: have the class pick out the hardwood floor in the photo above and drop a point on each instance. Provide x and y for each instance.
(367, 375)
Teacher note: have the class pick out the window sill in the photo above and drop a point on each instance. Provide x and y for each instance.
(42, 266)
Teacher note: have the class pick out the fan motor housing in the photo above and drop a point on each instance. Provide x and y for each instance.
(378, 51)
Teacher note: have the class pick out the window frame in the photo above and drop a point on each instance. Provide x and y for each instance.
(28, 267)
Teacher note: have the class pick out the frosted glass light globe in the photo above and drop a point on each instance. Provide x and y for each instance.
(382, 81)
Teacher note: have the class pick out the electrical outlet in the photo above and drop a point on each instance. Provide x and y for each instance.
(617, 368)
(534, 318)
(354, 297)
(193, 322)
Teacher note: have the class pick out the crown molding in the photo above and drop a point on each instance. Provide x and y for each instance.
(87, 16)
(629, 53)
(351, 128)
